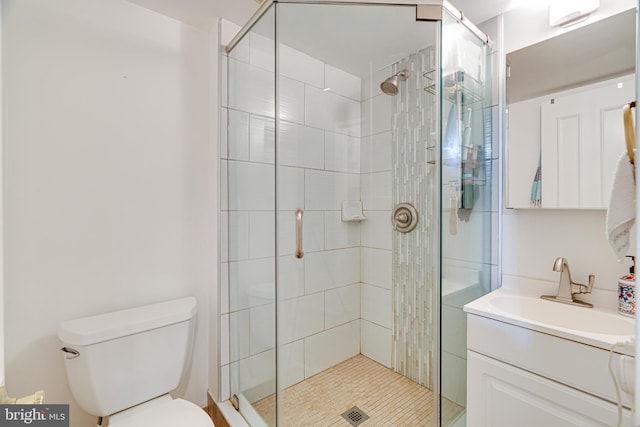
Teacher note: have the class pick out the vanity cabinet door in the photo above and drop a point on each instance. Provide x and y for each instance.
(581, 139)
(500, 395)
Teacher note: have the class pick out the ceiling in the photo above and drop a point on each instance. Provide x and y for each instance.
(376, 38)
(201, 13)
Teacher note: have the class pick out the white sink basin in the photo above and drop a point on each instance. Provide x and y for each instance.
(594, 326)
(564, 316)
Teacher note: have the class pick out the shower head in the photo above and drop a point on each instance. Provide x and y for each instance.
(390, 85)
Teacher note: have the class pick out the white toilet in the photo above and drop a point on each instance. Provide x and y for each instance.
(124, 364)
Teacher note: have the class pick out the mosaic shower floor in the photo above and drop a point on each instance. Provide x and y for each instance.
(388, 398)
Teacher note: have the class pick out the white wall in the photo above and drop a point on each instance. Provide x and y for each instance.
(532, 239)
(109, 177)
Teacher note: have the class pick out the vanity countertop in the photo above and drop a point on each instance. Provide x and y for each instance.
(520, 305)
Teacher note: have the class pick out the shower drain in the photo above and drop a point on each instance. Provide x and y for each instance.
(355, 416)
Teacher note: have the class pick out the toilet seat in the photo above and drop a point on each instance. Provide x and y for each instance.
(162, 412)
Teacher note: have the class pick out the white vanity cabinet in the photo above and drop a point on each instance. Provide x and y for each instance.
(579, 135)
(525, 378)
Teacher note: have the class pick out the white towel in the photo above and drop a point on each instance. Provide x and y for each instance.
(621, 214)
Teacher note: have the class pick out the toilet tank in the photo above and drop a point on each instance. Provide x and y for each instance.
(117, 360)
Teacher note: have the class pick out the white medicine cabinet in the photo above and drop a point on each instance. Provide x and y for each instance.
(578, 137)
(565, 98)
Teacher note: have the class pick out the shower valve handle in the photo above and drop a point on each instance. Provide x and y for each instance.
(404, 217)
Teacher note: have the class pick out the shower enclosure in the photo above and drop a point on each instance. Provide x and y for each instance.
(357, 211)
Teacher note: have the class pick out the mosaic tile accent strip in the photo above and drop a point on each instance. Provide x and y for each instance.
(414, 139)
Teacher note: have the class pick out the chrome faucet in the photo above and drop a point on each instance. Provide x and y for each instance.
(567, 288)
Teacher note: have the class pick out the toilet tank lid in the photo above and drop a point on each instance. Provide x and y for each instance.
(103, 327)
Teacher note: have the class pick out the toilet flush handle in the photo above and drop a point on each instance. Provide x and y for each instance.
(71, 352)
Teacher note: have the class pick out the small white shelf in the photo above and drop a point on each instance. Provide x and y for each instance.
(352, 211)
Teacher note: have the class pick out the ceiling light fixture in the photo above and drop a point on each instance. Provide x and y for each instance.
(564, 13)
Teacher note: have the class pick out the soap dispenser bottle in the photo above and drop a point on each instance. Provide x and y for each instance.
(627, 291)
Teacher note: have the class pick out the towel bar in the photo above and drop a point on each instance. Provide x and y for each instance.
(629, 130)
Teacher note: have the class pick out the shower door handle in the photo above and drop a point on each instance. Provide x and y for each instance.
(299, 252)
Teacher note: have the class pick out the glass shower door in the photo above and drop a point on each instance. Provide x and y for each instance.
(468, 208)
(355, 326)
(320, 208)
(249, 262)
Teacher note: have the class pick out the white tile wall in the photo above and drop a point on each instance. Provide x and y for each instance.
(251, 89)
(343, 83)
(326, 190)
(261, 52)
(248, 281)
(330, 347)
(292, 100)
(291, 271)
(291, 359)
(376, 191)
(380, 114)
(223, 132)
(341, 305)
(287, 231)
(376, 267)
(376, 342)
(239, 235)
(332, 112)
(301, 146)
(238, 132)
(251, 186)
(224, 339)
(340, 234)
(342, 153)
(376, 305)
(261, 234)
(377, 230)
(301, 317)
(239, 343)
(262, 321)
(365, 114)
(224, 192)
(302, 67)
(262, 140)
(376, 153)
(291, 188)
(224, 77)
(224, 287)
(331, 269)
